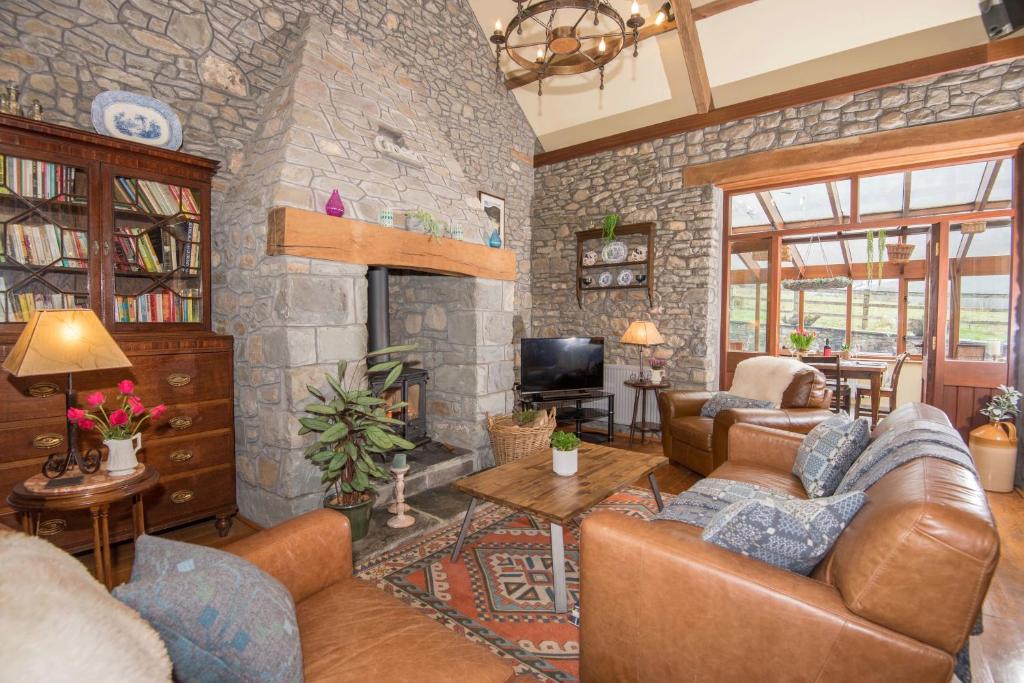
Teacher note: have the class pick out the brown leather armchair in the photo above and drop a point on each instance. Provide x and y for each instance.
(346, 624)
(702, 443)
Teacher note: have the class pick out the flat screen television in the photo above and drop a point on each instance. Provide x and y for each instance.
(562, 364)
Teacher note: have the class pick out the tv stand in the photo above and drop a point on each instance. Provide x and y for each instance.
(569, 407)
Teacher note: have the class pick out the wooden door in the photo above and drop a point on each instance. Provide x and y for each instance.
(974, 312)
(751, 284)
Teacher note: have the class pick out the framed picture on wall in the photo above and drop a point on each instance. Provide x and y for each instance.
(494, 207)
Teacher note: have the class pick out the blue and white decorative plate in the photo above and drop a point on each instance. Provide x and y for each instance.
(605, 279)
(130, 116)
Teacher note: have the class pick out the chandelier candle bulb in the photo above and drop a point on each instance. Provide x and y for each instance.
(634, 9)
(602, 47)
(497, 26)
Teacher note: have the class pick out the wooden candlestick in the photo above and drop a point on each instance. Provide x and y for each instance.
(398, 508)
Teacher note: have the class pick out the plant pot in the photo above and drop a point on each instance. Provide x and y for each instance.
(565, 463)
(899, 253)
(845, 355)
(358, 514)
(994, 449)
(121, 460)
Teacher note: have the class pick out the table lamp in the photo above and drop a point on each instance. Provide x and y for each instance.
(65, 341)
(642, 333)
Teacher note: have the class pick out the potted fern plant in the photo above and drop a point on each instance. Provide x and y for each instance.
(354, 428)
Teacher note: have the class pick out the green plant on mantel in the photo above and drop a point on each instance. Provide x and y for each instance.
(354, 427)
(431, 226)
(608, 225)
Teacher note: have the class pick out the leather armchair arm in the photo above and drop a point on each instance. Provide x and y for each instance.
(681, 403)
(306, 554)
(758, 445)
(798, 420)
(660, 604)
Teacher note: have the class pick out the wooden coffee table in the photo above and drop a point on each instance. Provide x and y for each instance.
(530, 485)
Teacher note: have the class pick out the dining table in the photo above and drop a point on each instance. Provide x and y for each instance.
(873, 372)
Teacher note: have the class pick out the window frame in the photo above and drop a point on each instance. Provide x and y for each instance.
(840, 224)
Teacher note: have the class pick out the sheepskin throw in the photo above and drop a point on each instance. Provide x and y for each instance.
(57, 623)
(765, 378)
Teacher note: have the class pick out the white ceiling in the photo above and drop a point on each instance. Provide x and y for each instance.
(753, 50)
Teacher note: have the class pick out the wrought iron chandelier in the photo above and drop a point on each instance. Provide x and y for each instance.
(565, 37)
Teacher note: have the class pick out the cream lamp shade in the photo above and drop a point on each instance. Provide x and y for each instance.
(642, 333)
(64, 341)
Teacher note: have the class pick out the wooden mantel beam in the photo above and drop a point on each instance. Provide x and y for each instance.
(296, 232)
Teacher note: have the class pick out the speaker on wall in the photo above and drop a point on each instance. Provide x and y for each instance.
(1002, 17)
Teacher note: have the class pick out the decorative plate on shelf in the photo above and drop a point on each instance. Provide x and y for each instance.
(614, 252)
(605, 279)
(130, 116)
(625, 278)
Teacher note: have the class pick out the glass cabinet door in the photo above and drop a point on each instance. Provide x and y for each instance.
(157, 252)
(44, 237)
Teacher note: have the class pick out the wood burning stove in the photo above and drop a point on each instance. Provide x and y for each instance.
(411, 386)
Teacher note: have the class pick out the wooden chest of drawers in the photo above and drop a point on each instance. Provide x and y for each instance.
(192, 445)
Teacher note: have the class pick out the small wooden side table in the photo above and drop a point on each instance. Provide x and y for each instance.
(643, 427)
(94, 492)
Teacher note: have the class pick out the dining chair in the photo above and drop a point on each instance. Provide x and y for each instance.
(888, 391)
(832, 368)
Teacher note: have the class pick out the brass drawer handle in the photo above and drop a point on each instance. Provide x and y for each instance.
(182, 496)
(43, 389)
(181, 456)
(51, 527)
(180, 422)
(178, 379)
(47, 441)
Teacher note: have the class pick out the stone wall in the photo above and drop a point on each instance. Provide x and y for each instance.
(234, 73)
(644, 183)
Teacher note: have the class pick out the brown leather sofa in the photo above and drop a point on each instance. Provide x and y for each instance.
(351, 630)
(893, 601)
(702, 444)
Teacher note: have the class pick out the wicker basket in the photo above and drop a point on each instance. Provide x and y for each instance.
(512, 442)
(899, 252)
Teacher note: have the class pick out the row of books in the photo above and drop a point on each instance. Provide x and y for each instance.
(37, 179)
(160, 307)
(157, 252)
(42, 245)
(19, 307)
(154, 197)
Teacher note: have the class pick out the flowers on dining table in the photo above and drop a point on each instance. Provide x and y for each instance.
(123, 421)
(800, 340)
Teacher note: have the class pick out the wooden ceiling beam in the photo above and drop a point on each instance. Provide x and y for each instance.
(717, 7)
(797, 259)
(989, 53)
(771, 210)
(987, 184)
(751, 264)
(833, 200)
(907, 189)
(847, 257)
(696, 70)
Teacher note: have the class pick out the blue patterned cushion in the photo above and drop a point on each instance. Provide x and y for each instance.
(701, 502)
(827, 453)
(793, 534)
(724, 401)
(222, 618)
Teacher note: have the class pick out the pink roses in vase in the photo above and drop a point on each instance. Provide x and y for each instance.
(119, 427)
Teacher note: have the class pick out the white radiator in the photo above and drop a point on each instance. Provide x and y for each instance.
(615, 377)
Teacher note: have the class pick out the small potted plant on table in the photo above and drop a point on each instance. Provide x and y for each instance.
(120, 427)
(564, 453)
(352, 429)
(657, 366)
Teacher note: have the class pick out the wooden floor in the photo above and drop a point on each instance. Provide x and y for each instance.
(997, 656)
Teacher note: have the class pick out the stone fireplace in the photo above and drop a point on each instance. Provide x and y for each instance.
(298, 315)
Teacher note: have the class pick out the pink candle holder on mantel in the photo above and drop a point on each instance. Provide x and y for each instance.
(335, 207)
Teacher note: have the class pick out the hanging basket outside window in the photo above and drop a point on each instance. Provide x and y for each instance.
(899, 252)
(816, 283)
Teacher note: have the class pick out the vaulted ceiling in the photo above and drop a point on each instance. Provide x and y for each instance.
(744, 49)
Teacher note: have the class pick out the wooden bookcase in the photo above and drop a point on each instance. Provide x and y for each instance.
(633, 235)
(88, 221)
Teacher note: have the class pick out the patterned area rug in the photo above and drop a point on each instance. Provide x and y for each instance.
(499, 592)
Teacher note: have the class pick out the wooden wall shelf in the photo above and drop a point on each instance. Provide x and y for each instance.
(297, 232)
(639, 231)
